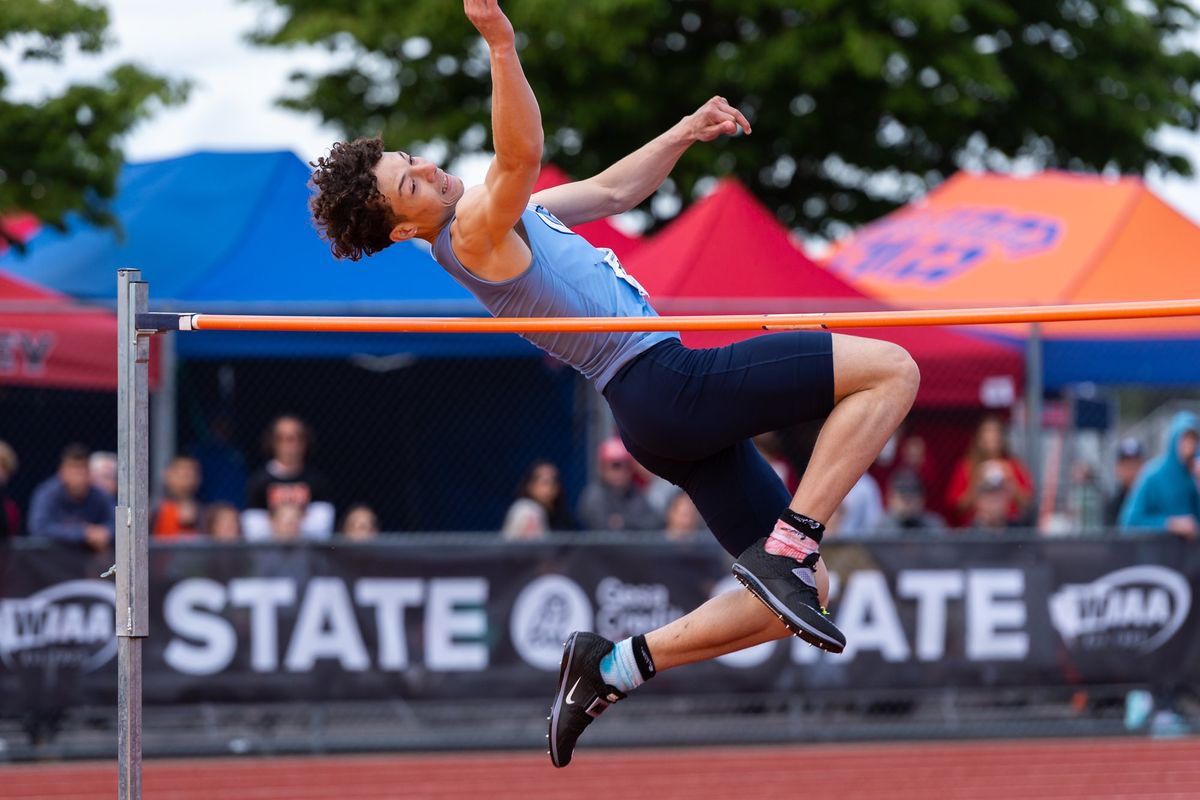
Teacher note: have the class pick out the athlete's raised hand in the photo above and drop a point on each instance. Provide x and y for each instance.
(716, 118)
(490, 21)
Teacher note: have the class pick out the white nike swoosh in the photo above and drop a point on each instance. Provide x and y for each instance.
(571, 693)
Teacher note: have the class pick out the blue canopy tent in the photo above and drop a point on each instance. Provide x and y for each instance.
(231, 233)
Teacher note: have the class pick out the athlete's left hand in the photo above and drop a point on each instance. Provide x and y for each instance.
(490, 21)
(716, 118)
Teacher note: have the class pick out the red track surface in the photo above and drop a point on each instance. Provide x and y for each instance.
(1064, 770)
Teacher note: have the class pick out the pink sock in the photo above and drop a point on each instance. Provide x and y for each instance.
(785, 540)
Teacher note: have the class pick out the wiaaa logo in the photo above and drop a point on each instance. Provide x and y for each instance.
(69, 624)
(1137, 608)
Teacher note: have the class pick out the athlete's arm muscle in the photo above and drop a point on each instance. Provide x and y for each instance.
(632, 179)
(486, 218)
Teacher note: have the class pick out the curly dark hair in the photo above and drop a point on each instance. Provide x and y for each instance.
(349, 210)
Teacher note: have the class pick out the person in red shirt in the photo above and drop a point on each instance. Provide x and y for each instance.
(179, 512)
(988, 459)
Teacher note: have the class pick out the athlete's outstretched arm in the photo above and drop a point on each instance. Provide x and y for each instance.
(516, 131)
(635, 177)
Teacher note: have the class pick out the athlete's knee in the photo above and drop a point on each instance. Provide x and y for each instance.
(862, 364)
(901, 372)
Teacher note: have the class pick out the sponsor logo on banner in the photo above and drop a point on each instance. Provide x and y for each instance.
(548, 610)
(69, 624)
(1138, 608)
(627, 609)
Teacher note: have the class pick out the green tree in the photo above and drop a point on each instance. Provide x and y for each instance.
(62, 154)
(857, 105)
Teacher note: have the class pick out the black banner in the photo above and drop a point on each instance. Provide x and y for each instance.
(477, 618)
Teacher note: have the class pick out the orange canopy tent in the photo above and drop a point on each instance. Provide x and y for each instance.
(1047, 239)
(727, 253)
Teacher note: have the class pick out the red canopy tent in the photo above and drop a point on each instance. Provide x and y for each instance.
(48, 340)
(727, 247)
(601, 232)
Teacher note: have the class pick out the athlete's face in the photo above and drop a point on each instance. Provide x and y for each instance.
(422, 195)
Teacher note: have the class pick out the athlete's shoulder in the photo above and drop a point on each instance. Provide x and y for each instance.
(466, 223)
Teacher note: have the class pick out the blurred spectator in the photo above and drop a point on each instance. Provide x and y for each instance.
(221, 464)
(683, 519)
(906, 452)
(1165, 497)
(906, 509)
(914, 455)
(286, 522)
(360, 523)
(988, 456)
(69, 508)
(288, 478)
(658, 490)
(992, 512)
(615, 503)
(179, 511)
(1085, 498)
(10, 514)
(862, 511)
(1130, 457)
(102, 467)
(771, 447)
(540, 507)
(222, 522)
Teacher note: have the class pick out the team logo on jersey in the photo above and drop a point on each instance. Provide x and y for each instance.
(552, 221)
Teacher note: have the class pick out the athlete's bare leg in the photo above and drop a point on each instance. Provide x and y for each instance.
(725, 624)
(874, 384)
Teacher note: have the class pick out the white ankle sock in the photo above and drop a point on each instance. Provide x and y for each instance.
(619, 668)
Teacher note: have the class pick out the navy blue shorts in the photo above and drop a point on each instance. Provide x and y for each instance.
(688, 415)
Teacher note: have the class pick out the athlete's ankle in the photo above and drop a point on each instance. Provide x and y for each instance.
(795, 536)
(628, 665)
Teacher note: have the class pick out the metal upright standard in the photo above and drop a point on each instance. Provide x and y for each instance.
(132, 620)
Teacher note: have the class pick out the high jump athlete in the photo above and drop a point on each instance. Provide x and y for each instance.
(687, 415)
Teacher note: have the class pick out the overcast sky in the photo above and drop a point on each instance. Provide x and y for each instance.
(236, 84)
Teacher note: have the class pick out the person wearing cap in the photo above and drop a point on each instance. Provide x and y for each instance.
(906, 509)
(615, 502)
(992, 511)
(1130, 457)
(1165, 498)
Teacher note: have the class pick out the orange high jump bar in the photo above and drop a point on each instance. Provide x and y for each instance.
(728, 322)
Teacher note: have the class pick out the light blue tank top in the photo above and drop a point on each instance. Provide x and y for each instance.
(568, 277)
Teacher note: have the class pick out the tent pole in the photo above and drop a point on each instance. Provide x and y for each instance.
(1034, 391)
(162, 443)
(132, 523)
